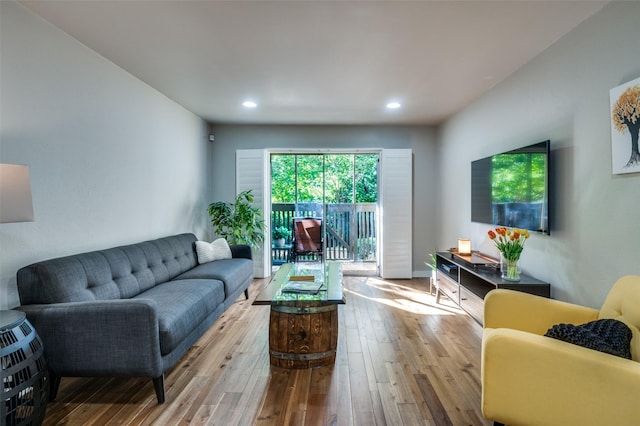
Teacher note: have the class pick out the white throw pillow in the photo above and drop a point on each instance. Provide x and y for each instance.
(208, 252)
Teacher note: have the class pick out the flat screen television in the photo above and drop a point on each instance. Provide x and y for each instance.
(512, 188)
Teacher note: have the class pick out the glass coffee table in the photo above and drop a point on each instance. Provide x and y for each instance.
(303, 325)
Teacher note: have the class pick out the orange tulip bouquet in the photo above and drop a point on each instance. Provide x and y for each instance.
(510, 242)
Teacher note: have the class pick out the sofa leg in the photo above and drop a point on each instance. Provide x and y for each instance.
(246, 294)
(53, 386)
(158, 384)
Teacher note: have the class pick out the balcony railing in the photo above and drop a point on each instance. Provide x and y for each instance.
(350, 230)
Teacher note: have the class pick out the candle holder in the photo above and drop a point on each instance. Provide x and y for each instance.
(464, 246)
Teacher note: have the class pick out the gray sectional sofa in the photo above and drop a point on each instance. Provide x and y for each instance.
(133, 310)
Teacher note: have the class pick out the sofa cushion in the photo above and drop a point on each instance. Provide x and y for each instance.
(182, 306)
(169, 257)
(216, 250)
(604, 335)
(115, 273)
(232, 272)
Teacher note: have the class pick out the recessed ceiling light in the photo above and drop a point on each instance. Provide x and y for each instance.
(249, 104)
(393, 105)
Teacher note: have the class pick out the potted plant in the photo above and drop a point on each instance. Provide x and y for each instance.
(280, 234)
(433, 265)
(238, 222)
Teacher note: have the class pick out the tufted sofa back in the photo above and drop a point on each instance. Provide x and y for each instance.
(623, 303)
(116, 273)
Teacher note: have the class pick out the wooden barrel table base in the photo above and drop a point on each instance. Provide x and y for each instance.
(303, 336)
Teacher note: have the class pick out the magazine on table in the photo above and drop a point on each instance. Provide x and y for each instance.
(302, 284)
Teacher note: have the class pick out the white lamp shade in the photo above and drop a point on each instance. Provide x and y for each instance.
(464, 246)
(15, 194)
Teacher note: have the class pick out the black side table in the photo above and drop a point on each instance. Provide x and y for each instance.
(25, 378)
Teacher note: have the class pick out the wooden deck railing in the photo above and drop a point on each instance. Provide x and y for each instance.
(350, 229)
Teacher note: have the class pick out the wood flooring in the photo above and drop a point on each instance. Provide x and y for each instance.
(401, 360)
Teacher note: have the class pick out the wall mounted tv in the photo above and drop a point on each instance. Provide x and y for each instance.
(512, 188)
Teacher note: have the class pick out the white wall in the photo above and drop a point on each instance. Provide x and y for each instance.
(112, 161)
(422, 140)
(562, 95)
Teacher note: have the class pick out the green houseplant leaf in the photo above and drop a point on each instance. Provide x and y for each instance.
(281, 232)
(432, 261)
(238, 222)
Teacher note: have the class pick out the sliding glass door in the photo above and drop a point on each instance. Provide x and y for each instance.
(341, 190)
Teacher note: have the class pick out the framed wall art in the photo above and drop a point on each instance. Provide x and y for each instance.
(625, 127)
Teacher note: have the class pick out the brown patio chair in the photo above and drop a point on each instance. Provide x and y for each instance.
(307, 238)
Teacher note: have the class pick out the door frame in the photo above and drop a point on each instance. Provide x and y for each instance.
(351, 240)
(394, 226)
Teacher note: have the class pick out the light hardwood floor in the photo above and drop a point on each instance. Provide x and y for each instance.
(401, 360)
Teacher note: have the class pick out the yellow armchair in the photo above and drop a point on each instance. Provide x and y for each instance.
(530, 379)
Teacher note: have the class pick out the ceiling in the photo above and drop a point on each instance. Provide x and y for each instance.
(318, 62)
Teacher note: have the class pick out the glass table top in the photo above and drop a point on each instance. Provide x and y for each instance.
(326, 274)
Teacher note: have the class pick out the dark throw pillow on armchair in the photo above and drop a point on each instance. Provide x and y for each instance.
(604, 335)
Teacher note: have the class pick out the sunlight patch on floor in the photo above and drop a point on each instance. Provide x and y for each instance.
(407, 299)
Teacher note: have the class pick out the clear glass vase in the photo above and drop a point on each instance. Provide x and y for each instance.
(509, 268)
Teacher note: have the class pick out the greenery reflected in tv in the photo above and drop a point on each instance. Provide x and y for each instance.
(512, 188)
